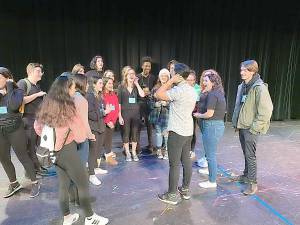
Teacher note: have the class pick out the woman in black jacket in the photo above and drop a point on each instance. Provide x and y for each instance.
(96, 113)
(12, 134)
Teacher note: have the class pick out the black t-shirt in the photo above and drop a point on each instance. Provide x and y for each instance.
(216, 100)
(201, 105)
(148, 81)
(31, 107)
(127, 100)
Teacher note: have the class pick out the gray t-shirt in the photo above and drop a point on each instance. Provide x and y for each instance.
(183, 99)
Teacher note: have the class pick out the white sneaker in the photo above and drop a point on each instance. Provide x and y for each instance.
(204, 171)
(94, 180)
(202, 162)
(95, 220)
(159, 154)
(72, 218)
(100, 171)
(192, 155)
(166, 157)
(208, 184)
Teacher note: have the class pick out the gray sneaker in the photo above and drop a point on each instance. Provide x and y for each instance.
(185, 193)
(35, 189)
(169, 198)
(12, 189)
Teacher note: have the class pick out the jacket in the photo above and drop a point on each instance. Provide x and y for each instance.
(12, 119)
(256, 111)
(96, 113)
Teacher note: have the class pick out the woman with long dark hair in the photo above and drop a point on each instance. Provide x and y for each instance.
(59, 112)
(12, 134)
(212, 123)
(96, 113)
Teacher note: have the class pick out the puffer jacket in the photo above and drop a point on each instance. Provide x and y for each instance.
(255, 113)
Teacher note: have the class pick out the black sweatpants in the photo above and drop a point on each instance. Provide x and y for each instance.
(179, 148)
(108, 135)
(69, 167)
(96, 150)
(31, 141)
(16, 140)
(248, 143)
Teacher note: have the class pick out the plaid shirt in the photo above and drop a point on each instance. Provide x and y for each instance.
(159, 114)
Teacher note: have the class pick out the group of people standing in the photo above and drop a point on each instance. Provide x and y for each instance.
(84, 109)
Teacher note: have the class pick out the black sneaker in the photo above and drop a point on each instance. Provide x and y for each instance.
(169, 198)
(12, 189)
(185, 193)
(35, 189)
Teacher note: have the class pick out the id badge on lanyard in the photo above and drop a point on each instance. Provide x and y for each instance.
(3, 110)
(131, 100)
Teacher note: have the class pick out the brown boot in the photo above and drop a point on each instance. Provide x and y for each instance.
(111, 161)
(251, 189)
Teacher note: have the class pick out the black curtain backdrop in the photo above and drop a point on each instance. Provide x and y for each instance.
(202, 34)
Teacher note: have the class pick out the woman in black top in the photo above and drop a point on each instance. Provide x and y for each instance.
(12, 134)
(96, 113)
(212, 123)
(129, 115)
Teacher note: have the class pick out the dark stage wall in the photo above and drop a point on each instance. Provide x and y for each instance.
(202, 34)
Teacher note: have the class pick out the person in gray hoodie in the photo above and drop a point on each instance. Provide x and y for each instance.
(251, 117)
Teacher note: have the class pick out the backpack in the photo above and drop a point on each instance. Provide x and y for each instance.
(45, 152)
(28, 88)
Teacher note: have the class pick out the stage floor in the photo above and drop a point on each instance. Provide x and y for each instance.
(128, 194)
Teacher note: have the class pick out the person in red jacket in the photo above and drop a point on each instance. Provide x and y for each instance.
(110, 99)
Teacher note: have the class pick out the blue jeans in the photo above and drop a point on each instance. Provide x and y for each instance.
(212, 131)
(160, 134)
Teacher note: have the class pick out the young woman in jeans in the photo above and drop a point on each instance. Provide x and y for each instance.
(212, 123)
(12, 134)
(58, 111)
(159, 115)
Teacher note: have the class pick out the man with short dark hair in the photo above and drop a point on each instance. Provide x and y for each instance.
(147, 82)
(251, 117)
(33, 96)
(182, 98)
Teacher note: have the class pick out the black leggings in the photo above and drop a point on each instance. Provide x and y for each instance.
(131, 126)
(179, 148)
(16, 140)
(95, 151)
(69, 167)
(108, 135)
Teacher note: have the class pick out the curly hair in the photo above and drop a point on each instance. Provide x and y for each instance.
(57, 108)
(93, 62)
(214, 77)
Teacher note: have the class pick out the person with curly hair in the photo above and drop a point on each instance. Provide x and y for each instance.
(212, 123)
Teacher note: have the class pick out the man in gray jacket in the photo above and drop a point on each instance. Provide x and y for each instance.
(251, 117)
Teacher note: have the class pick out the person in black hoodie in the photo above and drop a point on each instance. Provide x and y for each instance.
(12, 134)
